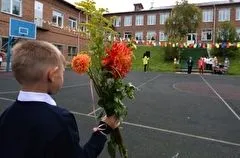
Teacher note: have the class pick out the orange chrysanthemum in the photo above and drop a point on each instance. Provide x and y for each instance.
(118, 59)
(81, 63)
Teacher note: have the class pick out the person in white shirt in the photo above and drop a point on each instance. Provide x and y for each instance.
(1, 60)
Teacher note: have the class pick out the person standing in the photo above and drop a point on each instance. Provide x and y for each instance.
(189, 65)
(214, 64)
(145, 62)
(1, 60)
(201, 65)
(226, 63)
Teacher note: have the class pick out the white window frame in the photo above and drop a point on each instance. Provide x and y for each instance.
(151, 34)
(238, 14)
(60, 47)
(151, 19)
(127, 35)
(128, 21)
(139, 20)
(162, 36)
(11, 7)
(117, 21)
(207, 15)
(163, 17)
(238, 32)
(204, 34)
(71, 49)
(224, 14)
(72, 22)
(139, 35)
(58, 15)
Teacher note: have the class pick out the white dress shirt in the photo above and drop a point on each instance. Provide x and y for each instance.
(35, 96)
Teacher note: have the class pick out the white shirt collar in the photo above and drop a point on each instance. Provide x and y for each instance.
(36, 96)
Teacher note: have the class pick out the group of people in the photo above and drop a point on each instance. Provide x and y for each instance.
(209, 63)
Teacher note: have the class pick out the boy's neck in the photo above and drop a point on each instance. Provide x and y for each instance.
(35, 88)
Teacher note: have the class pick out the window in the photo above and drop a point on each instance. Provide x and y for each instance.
(72, 51)
(224, 15)
(151, 19)
(163, 18)
(162, 36)
(206, 35)
(38, 13)
(72, 23)
(3, 43)
(57, 19)
(60, 47)
(83, 27)
(117, 22)
(139, 36)
(12, 7)
(128, 21)
(151, 35)
(139, 20)
(237, 13)
(127, 35)
(238, 33)
(207, 15)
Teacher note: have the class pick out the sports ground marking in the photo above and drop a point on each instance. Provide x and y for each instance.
(9, 92)
(70, 86)
(76, 85)
(137, 87)
(156, 129)
(214, 91)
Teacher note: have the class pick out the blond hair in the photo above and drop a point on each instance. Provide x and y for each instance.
(31, 59)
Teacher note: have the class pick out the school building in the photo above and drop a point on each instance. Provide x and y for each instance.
(148, 25)
(56, 20)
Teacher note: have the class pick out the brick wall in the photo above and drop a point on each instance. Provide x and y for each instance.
(56, 35)
(158, 27)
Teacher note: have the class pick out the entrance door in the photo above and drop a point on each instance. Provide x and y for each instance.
(38, 14)
(191, 38)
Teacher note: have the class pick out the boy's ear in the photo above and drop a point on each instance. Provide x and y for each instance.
(51, 74)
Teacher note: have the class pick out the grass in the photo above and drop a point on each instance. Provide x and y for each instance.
(234, 68)
(156, 61)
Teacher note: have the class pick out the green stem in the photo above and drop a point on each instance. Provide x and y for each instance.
(95, 83)
(116, 140)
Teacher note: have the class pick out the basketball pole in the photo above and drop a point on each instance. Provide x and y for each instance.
(9, 52)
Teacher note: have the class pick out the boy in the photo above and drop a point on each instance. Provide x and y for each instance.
(34, 127)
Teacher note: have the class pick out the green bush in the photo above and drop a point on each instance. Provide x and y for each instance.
(170, 53)
(225, 52)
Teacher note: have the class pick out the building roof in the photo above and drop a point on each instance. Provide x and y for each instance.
(201, 4)
(205, 4)
(70, 4)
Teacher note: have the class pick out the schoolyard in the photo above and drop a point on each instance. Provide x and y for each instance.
(172, 116)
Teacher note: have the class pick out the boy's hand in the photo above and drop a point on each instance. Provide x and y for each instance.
(111, 121)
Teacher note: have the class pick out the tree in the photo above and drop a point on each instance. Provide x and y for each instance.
(185, 18)
(227, 32)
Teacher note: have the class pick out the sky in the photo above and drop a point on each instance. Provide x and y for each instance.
(127, 5)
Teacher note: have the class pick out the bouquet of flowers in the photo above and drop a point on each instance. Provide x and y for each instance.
(107, 62)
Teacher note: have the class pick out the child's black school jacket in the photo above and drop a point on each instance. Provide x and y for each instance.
(31, 129)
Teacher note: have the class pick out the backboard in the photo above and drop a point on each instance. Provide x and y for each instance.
(22, 29)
